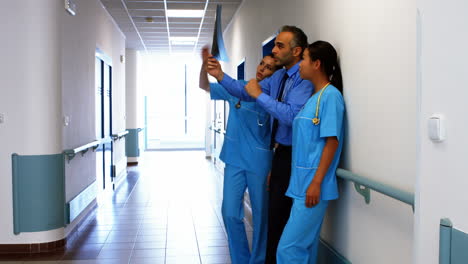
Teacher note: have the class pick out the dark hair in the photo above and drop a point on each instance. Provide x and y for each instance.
(299, 37)
(276, 67)
(326, 53)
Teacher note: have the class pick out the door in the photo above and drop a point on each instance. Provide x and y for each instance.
(103, 106)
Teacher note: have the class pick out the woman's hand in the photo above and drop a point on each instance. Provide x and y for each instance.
(205, 54)
(213, 67)
(253, 88)
(313, 195)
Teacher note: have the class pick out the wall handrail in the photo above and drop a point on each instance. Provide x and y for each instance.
(105, 140)
(71, 153)
(364, 185)
(120, 135)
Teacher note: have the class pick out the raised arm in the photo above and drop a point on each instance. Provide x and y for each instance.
(283, 111)
(203, 81)
(234, 87)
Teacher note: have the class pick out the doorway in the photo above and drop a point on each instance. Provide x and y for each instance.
(175, 105)
(103, 115)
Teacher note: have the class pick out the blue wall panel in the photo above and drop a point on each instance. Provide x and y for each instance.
(459, 250)
(453, 244)
(132, 143)
(38, 192)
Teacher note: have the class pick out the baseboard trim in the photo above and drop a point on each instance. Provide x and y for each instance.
(32, 248)
(78, 204)
(132, 159)
(120, 172)
(328, 255)
(120, 178)
(47, 247)
(74, 234)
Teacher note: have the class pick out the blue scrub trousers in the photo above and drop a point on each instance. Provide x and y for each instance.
(300, 239)
(236, 180)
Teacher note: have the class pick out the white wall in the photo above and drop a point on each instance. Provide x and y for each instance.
(442, 169)
(30, 97)
(91, 28)
(131, 89)
(376, 41)
(47, 72)
(134, 102)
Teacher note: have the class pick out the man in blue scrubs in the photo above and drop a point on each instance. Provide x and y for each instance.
(282, 96)
(247, 155)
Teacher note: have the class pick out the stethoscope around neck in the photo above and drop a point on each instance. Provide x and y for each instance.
(238, 106)
(316, 119)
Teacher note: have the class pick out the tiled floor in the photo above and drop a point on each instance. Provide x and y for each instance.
(167, 211)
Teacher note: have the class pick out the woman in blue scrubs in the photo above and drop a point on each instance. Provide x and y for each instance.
(317, 143)
(247, 157)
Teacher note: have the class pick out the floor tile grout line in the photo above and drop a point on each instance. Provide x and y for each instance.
(167, 231)
(133, 189)
(217, 174)
(196, 236)
(141, 221)
(213, 209)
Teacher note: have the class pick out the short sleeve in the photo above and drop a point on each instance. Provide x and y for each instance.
(331, 115)
(217, 92)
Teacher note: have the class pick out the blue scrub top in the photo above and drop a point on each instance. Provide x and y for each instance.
(309, 141)
(296, 93)
(247, 140)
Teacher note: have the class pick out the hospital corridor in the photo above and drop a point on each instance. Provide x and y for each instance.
(233, 132)
(162, 213)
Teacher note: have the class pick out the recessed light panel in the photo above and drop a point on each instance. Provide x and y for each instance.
(184, 13)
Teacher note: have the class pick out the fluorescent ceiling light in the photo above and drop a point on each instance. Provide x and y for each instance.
(184, 13)
(193, 39)
(183, 43)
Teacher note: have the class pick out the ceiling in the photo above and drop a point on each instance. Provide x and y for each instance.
(134, 19)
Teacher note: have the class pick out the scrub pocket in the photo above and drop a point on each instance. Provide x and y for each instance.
(301, 179)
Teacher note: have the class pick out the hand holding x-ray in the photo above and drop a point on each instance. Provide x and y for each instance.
(213, 68)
